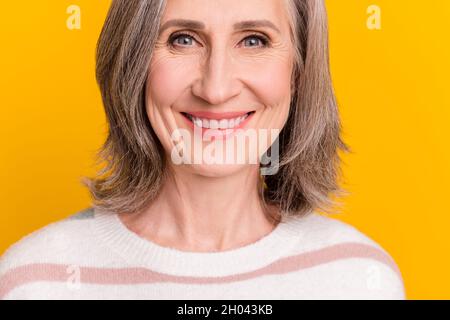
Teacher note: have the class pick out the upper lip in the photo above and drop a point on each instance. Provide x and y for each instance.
(218, 115)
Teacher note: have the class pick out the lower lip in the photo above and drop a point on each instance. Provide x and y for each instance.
(219, 133)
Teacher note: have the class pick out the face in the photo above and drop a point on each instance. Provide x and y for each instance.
(215, 81)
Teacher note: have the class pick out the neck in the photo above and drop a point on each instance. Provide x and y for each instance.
(198, 213)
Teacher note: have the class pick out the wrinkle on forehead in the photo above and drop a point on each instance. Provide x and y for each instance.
(220, 14)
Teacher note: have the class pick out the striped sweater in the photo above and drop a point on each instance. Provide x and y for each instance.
(93, 255)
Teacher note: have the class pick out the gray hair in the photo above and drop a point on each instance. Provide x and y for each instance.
(132, 156)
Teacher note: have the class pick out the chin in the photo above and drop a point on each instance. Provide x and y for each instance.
(217, 170)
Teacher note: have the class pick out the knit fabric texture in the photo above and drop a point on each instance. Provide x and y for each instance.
(93, 255)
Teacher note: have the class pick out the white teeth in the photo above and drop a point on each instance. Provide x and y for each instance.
(204, 123)
(213, 124)
(223, 124)
(197, 122)
(218, 124)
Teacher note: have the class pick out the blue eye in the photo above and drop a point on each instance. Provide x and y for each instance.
(188, 39)
(181, 36)
(262, 39)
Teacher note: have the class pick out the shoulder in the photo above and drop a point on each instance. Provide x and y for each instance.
(347, 256)
(49, 244)
(323, 229)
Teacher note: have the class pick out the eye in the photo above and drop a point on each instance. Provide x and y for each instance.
(187, 40)
(263, 40)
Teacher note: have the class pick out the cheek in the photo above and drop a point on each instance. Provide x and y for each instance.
(271, 82)
(272, 85)
(167, 80)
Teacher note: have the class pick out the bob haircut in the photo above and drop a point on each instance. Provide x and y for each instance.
(132, 157)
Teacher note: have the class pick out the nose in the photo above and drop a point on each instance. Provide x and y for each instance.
(218, 82)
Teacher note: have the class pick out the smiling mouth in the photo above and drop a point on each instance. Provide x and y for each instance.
(217, 122)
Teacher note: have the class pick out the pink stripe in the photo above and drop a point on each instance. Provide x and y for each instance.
(93, 275)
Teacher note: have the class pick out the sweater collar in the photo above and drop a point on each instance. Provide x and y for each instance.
(140, 252)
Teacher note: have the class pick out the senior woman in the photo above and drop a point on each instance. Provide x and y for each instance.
(178, 79)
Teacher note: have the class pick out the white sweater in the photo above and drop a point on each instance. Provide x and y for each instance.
(93, 255)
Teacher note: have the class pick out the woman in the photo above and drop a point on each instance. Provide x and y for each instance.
(181, 80)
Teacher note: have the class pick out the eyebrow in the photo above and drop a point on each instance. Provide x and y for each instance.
(198, 25)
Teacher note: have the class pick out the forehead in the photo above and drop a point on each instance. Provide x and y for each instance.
(225, 13)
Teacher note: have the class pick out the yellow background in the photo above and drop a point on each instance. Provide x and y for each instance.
(391, 84)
